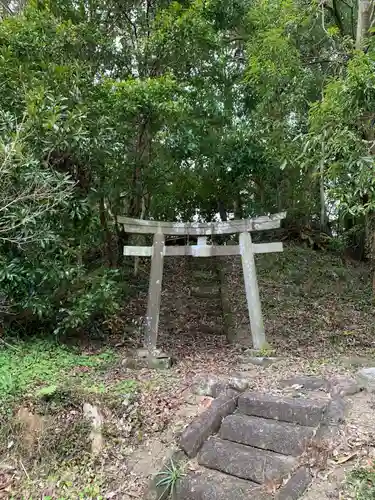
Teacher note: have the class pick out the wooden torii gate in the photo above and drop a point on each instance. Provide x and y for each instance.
(159, 250)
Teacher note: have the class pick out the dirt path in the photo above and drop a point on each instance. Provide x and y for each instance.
(314, 320)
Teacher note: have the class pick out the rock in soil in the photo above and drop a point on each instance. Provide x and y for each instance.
(366, 378)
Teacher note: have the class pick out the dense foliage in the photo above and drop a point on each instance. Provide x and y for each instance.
(171, 110)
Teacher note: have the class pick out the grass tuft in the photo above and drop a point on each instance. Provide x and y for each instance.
(37, 363)
(168, 479)
(361, 482)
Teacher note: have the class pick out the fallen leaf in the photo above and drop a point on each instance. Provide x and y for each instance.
(206, 402)
(346, 458)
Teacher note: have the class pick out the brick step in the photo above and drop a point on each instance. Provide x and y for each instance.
(281, 437)
(243, 461)
(308, 412)
(212, 485)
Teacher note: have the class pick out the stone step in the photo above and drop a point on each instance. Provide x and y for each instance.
(204, 275)
(206, 292)
(211, 329)
(243, 461)
(281, 437)
(308, 412)
(213, 312)
(209, 306)
(213, 485)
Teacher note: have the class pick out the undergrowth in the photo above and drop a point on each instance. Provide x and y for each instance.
(28, 365)
(315, 297)
(361, 482)
(43, 388)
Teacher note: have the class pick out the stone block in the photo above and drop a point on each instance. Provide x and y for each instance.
(205, 292)
(207, 386)
(334, 416)
(300, 411)
(309, 383)
(344, 386)
(159, 363)
(213, 386)
(244, 461)
(335, 413)
(296, 485)
(281, 437)
(212, 485)
(142, 358)
(366, 379)
(207, 423)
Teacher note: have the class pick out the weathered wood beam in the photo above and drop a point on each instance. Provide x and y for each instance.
(202, 250)
(262, 223)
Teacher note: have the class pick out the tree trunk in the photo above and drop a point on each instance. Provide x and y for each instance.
(237, 207)
(107, 233)
(364, 23)
(142, 158)
(139, 239)
(324, 222)
(222, 211)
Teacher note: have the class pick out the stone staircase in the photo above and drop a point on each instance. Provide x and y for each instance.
(191, 315)
(248, 445)
(204, 295)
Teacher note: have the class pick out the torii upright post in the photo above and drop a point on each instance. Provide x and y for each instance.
(246, 249)
(252, 291)
(154, 292)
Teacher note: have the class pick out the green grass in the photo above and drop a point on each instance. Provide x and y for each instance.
(361, 483)
(53, 381)
(31, 365)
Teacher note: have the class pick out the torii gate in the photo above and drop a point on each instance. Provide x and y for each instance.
(246, 249)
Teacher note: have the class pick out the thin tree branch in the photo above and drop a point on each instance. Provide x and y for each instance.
(6, 7)
(236, 38)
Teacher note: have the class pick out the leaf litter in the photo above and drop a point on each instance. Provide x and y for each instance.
(318, 311)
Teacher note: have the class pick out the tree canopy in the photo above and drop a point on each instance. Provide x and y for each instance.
(172, 110)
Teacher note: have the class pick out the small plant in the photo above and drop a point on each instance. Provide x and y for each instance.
(361, 482)
(6, 382)
(40, 365)
(91, 492)
(168, 479)
(47, 392)
(266, 351)
(126, 387)
(97, 389)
